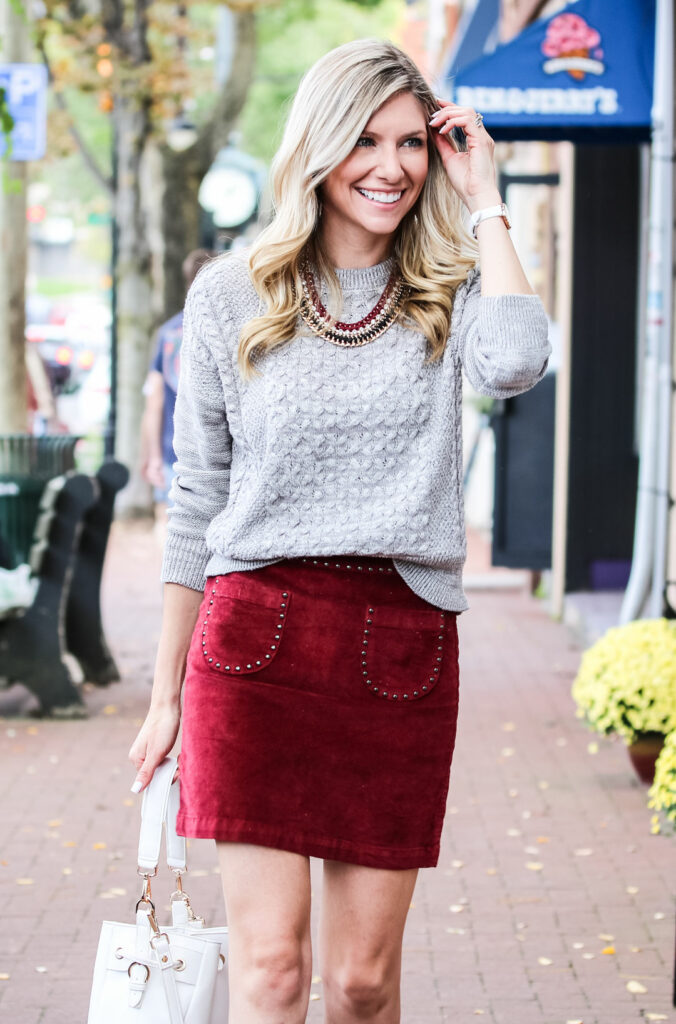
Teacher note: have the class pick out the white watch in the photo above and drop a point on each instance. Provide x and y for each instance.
(490, 211)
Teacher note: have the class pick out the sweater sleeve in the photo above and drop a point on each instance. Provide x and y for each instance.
(203, 447)
(501, 340)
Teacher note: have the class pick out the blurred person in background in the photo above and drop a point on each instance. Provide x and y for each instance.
(157, 425)
(313, 560)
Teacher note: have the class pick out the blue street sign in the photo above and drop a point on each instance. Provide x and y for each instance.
(25, 88)
(584, 73)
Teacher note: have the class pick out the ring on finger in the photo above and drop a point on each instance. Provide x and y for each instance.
(479, 119)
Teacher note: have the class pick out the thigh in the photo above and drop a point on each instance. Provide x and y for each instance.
(267, 894)
(363, 915)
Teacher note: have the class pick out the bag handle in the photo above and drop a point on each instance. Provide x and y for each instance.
(160, 807)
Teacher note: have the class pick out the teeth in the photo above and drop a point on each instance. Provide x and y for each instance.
(381, 197)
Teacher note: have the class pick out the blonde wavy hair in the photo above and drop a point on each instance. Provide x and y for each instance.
(335, 100)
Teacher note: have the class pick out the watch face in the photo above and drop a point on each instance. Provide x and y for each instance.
(230, 196)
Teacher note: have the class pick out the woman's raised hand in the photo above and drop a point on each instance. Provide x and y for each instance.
(472, 173)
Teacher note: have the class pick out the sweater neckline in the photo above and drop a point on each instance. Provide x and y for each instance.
(365, 277)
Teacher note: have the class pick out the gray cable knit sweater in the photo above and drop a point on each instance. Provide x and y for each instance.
(334, 451)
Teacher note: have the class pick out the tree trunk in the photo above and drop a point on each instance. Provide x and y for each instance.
(174, 202)
(135, 319)
(13, 253)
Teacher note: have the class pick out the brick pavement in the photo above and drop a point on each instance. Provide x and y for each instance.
(547, 858)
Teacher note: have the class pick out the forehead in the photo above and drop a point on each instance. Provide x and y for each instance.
(403, 105)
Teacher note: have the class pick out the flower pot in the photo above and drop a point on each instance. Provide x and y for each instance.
(643, 754)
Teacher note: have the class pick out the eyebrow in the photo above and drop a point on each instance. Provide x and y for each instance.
(421, 132)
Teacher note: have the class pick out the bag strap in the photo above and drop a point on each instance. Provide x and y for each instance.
(165, 963)
(159, 807)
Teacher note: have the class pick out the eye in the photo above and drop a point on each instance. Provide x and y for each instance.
(415, 141)
(364, 141)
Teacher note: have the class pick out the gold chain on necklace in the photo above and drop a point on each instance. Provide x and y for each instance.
(371, 326)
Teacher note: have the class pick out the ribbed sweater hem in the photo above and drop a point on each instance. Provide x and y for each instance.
(441, 587)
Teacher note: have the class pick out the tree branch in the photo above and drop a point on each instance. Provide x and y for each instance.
(60, 99)
(232, 96)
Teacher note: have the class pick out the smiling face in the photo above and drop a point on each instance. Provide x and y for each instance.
(366, 197)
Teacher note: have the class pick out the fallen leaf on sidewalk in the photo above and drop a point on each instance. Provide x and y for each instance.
(507, 751)
(455, 931)
(54, 823)
(656, 1016)
(66, 871)
(491, 871)
(545, 961)
(575, 1021)
(588, 956)
(543, 784)
(508, 727)
(69, 842)
(128, 802)
(608, 949)
(636, 987)
(110, 709)
(456, 908)
(635, 949)
(592, 748)
(199, 873)
(316, 979)
(4, 976)
(578, 945)
(632, 889)
(477, 1012)
(41, 970)
(530, 849)
(658, 916)
(458, 863)
(606, 936)
(542, 839)
(534, 865)
(513, 792)
(25, 881)
(102, 846)
(315, 995)
(583, 851)
(513, 832)
(32, 730)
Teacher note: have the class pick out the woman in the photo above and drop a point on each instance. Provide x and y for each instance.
(318, 490)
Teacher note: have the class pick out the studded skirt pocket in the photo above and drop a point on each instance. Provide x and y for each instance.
(403, 650)
(243, 624)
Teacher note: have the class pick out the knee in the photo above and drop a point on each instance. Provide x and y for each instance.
(364, 989)
(276, 975)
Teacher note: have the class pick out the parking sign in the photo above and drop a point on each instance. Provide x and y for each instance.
(25, 87)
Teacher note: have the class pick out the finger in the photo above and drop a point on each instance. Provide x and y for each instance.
(137, 752)
(465, 121)
(145, 772)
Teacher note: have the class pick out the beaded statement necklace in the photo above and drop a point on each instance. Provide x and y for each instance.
(375, 323)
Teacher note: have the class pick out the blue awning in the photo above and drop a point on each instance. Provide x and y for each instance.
(583, 74)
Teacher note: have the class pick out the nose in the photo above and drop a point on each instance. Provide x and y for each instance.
(389, 165)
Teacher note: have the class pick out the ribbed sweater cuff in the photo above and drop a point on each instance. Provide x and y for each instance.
(512, 321)
(184, 561)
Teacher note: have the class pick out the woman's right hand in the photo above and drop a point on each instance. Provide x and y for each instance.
(154, 741)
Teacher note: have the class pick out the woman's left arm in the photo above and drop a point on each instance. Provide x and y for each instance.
(473, 176)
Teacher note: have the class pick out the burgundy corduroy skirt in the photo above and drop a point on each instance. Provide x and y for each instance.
(320, 711)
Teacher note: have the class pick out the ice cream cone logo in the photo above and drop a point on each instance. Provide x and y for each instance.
(573, 46)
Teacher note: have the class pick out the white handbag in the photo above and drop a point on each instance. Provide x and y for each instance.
(145, 974)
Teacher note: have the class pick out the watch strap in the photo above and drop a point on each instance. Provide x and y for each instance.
(499, 210)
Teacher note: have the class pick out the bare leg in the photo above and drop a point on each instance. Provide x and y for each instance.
(363, 916)
(267, 900)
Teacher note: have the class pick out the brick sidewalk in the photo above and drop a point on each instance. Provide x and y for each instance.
(547, 857)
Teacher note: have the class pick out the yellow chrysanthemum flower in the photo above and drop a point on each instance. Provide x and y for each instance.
(626, 683)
